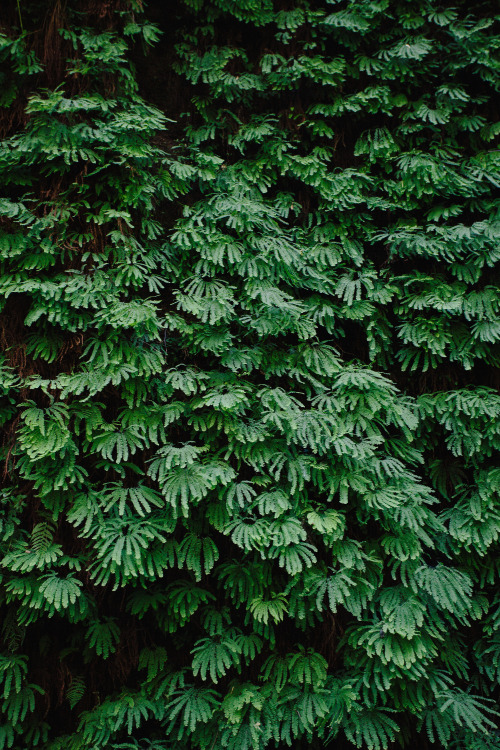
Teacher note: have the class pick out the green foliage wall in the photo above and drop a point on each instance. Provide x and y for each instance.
(250, 379)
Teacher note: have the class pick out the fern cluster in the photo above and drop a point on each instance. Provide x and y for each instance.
(249, 382)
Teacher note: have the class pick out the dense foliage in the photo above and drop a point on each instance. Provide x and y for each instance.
(250, 409)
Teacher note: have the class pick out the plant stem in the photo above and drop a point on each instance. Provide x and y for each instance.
(20, 17)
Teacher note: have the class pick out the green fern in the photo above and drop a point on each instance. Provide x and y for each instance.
(247, 390)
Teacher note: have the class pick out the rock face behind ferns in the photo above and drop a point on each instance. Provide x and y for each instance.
(249, 383)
